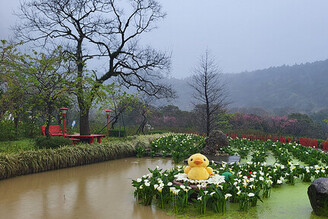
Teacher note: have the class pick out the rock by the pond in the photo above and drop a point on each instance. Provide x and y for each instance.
(318, 195)
(216, 140)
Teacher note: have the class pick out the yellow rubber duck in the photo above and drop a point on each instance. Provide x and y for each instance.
(197, 169)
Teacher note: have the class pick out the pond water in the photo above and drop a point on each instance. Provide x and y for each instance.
(101, 190)
(285, 202)
(104, 190)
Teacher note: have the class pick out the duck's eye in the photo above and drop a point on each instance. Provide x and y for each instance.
(191, 159)
(204, 159)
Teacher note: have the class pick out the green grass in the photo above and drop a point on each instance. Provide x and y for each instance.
(17, 146)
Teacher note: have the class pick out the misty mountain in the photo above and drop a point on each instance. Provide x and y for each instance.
(301, 87)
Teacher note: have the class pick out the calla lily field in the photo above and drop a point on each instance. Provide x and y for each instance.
(248, 181)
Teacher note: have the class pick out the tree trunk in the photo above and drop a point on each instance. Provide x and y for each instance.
(59, 119)
(48, 121)
(143, 123)
(141, 128)
(84, 122)
(208, 120)
(208, 116)
(47, 129)
(16, 120)
(123, 124)
(83, 103)
(114, 121)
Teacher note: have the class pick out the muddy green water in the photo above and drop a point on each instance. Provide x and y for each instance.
(104, 190)
(286, 202)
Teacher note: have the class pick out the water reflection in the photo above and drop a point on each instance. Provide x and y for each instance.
(95, 191)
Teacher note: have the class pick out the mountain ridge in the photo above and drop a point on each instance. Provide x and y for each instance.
(303, 87)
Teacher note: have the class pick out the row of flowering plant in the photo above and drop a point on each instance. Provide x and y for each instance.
(245, 188)
(178, 146)
(282, 152)
(237, 146)
(251, 182)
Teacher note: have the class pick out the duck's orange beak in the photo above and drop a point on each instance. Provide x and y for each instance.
(198, 161)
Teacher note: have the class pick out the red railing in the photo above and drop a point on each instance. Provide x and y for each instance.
(309, 142)
(325, 145)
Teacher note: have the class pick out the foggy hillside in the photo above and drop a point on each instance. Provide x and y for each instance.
(301, 87)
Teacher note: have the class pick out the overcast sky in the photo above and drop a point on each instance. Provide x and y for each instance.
(243, 35)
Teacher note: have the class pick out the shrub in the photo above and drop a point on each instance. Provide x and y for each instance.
(7, 130)
(116, 133)
(158, 132)
(28, 129)
(51, 142)
(140, 151)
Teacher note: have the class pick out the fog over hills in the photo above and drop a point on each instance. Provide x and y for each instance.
(301, 87)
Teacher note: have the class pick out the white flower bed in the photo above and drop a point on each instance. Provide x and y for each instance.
(216, 179)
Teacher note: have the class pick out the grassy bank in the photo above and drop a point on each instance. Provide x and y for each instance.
(17, 146)
(27, 162)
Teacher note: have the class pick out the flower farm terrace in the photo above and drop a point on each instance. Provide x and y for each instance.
(264, 165)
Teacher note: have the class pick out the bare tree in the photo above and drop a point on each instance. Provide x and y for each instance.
(209, 92)
(102, 35)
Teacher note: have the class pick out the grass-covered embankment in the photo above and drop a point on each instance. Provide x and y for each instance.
(34, 161)
(17, 146)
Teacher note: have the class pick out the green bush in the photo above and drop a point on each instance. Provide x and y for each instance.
(158, 132)
(112, 132)
(247, 132)
(116, 133)
(7, 130)
(51, 142)
(140, 151)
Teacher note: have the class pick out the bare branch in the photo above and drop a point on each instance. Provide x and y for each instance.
(209, 91)
(100, 31)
